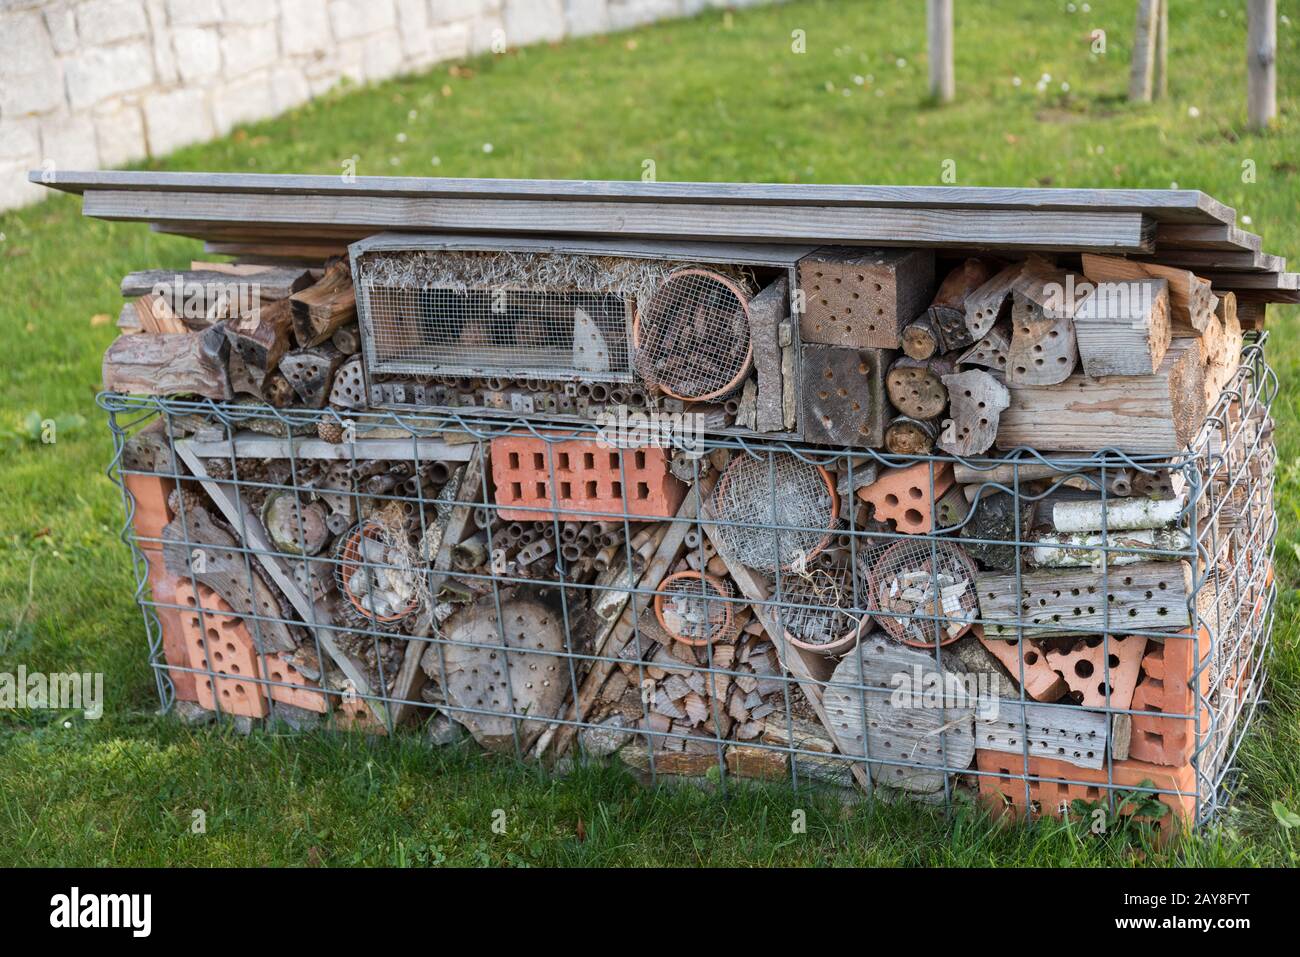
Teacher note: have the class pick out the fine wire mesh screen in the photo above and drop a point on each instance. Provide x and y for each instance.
(693, 337)
(499, 331)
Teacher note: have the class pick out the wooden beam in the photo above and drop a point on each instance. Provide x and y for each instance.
(993, 229)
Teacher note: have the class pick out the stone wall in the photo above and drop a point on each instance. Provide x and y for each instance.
(86, 84)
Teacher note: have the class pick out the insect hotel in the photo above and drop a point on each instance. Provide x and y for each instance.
(921, 492)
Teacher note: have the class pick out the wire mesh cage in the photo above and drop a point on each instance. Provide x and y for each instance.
(758, 628)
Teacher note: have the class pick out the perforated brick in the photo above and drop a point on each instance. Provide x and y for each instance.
(863, 297)
(905, 495)
(588, 478)
(231, 649)
(1002, 786)
(1166, 688)
(1042, 683)
(149, 493)
(304, 692)
(1095, 664)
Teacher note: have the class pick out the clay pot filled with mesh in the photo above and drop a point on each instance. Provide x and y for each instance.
(817, 614)
(692, 338)
(694, 608)
(915, 584)
(371, 576)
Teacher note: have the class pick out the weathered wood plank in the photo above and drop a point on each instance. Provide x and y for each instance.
(1149, 595)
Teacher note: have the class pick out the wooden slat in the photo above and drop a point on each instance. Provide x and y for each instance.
(995, 229)
(1238, 260)
(1166, 205)
(1196, 236)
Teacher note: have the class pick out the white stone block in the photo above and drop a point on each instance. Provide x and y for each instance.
(289, 88)
(198, 53)
(25, 46)
(532, 21)
(62, 27)
(119, 135)
(454, 11)
(20, 139)
(176, 119)
(248, 12)
(359, 18)
(383, 55)
(413, 26)
(244, 49)
(304, 27)
(484, 32)
(68, 143)
(241, 101)
(193, 13)
(451, 42)
(15, 191)
(624, 14)
(585, 17)
(100, 73)
(107, 21)
(31, 93)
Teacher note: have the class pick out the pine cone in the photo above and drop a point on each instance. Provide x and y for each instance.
(329, 431)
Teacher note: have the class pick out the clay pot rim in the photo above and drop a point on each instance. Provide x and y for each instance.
(718, 585)
(746, 364)
(351, 560)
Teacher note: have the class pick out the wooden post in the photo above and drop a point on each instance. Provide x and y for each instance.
(1162, 51)
(1261, 62)
(943, 85)
(1144, 46)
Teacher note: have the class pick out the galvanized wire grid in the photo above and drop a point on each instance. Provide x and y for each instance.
(1228, 516)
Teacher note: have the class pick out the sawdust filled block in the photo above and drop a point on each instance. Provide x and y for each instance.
(844, 395)
(863, 297)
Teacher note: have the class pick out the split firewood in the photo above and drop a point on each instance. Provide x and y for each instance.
(1191, 300)
(947, 313)
(987, 304)
(311, 372)
(908, 436)
(990, 352)
(195, 545)
(262, 337)
(155, 315)
(976, 399)
(321, 309)
(170, 364)
(916, 388)
(1122, 328)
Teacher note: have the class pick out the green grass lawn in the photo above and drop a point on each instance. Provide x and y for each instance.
(719, 97)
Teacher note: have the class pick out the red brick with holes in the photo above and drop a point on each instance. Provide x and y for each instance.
(588, 478)
(906, 495)
(1002, 786)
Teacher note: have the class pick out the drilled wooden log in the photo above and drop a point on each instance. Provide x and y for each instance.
(921, 338)
(263, 336)
(295, 526)
(908, 436)
(947, 312)
(311, 372)
(975, 401)
(1191, 300)
(916, 389)
(1043, 348)
(989, 352)
(987, 304)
